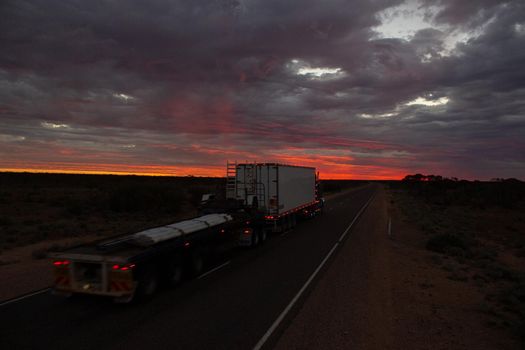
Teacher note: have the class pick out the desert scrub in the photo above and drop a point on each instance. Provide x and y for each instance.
(5, 221)
(134, 198)
(447, 244)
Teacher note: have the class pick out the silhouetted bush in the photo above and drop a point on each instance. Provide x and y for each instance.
(437, 190)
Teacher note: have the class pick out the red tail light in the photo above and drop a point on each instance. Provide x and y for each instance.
(127, 267)
(64, 263)
(123, 267)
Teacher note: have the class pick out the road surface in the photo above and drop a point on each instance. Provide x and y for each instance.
(235, 306)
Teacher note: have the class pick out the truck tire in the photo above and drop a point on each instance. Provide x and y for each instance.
(148, 282)
(255, 239)
(174, 272)
(287, 223)
(196, 263)
(263, 236)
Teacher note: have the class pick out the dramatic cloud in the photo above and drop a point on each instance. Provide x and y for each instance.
(359, 89)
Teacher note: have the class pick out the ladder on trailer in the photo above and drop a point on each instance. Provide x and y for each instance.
(231, 180)
(253, 185)
(248, 185)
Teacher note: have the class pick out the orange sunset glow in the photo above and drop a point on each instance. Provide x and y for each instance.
(327, 171)
(376, 90)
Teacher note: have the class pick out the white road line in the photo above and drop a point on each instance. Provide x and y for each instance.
(355, 218)
(283, 314)
(10, 301)
(269, 332)
(213, 270)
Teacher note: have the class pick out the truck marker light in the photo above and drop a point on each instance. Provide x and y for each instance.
(127, 267)
(247, 231)
(186, 245)
(222, 231)
(61, 263)
(123, 267)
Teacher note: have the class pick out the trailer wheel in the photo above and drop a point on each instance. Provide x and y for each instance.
(196, 263)
(147, 282)
(174, 273)
(293, 220)
(287, 223)
(262, 236)
(255, 239)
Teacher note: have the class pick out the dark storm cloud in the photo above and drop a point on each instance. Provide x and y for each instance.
(199, 82)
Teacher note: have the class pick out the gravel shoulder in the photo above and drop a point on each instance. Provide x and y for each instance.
(385, 292)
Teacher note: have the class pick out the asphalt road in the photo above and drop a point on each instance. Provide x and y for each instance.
(229, 308)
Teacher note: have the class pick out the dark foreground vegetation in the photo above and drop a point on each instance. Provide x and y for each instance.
(476, 231)
(43, 207)
(40, 207)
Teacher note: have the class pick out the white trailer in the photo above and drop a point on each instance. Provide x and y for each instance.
(282, 192)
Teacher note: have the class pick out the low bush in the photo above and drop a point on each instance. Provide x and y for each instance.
(446, 243)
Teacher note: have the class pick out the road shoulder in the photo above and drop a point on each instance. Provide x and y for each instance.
(384, 292)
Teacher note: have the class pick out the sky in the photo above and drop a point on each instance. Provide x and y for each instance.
(359, 89)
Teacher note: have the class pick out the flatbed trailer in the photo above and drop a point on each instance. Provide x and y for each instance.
(127, 266)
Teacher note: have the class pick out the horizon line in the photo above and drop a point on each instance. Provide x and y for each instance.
(123, 173)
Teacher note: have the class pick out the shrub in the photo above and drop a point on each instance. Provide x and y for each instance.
(444, 243)
(137, 198)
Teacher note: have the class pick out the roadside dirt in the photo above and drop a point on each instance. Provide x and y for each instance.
(21, 273)
(385, 292)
